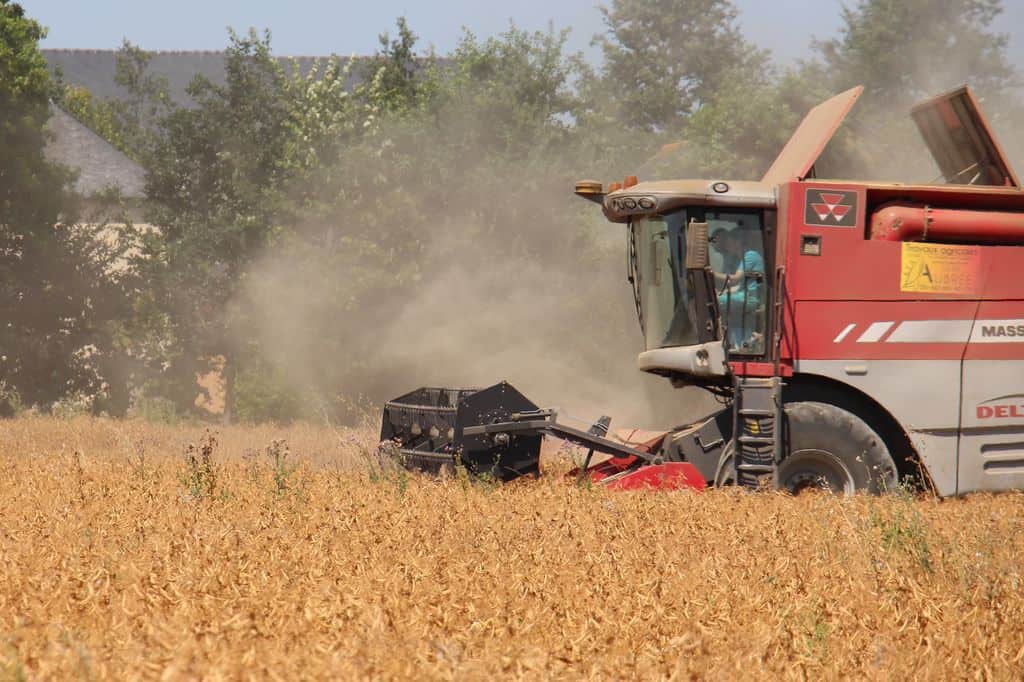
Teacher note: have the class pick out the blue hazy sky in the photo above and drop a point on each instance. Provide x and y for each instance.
(320, 27)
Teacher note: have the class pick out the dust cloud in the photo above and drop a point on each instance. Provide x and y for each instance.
(558, 324)
(498, 292)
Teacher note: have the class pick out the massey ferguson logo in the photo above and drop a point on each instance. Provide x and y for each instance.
(998, 331)
(831, 208)
(995, 331)
(1003, 407)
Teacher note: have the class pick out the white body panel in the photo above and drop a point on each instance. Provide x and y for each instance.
(964, 418)
(703, 360)
(992, 430)
(924, 397)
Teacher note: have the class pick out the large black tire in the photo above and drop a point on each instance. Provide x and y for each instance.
(827, 447)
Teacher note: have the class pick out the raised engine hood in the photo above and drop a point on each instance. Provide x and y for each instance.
(961, 141)
(799, 155)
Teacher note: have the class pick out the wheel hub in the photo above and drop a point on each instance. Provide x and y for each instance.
(815, 469)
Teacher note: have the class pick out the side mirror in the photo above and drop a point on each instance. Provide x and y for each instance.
(697, 245)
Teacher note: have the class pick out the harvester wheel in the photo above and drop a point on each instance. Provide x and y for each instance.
(829, 448)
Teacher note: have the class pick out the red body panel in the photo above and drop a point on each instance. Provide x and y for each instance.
(933, 333)
(848, 330)
(632, 473)
(667, 476)
(758, 369)
(860, 281)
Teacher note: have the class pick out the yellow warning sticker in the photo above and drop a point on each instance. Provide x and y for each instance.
(940, 268)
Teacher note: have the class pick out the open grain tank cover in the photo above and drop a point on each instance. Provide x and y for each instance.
(961, 141)
(799, 155)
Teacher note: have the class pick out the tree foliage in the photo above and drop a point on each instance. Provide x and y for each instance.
(663, 60)
(741, 129)
(468, 176)
(58, 300)
(215, 184)
(97, 115)
(128, 122)
(395, 68)
(904, 51)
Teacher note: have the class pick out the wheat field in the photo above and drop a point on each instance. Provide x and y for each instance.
(135, 551)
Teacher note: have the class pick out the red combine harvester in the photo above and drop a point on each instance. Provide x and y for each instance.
(858, 333)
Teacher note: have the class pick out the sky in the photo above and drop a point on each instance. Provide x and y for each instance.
(343, 27)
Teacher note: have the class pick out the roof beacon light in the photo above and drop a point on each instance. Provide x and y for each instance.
(629, 181)
(614, 187)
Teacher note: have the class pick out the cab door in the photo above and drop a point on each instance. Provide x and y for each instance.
(992, 406)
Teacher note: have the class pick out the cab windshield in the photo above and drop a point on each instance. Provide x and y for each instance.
(664, 296)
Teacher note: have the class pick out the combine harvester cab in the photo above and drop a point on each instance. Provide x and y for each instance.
(857, 333)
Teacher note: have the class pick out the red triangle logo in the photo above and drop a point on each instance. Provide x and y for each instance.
(840, 210)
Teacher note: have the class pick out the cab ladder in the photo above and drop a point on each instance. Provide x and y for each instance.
(757, 425)
(758, 416)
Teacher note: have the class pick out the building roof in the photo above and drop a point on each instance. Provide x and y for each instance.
(95, 69)
(99, 164)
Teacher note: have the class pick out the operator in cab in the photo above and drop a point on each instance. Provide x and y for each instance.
(741, 283)
(728, 245)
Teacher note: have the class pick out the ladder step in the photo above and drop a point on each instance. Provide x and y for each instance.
(756, 468)
(759, 382)
(758, 421)
(751, 412)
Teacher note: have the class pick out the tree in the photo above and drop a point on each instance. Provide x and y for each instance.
(494, 108)
(59, 293)
(903, 51)
(127, 123)
(395, 69)
(663, 60)
(215, 181)
(743, 126)
(97, 115)
(319, 235)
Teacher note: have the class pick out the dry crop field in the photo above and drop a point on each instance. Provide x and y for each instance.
(280, 552)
